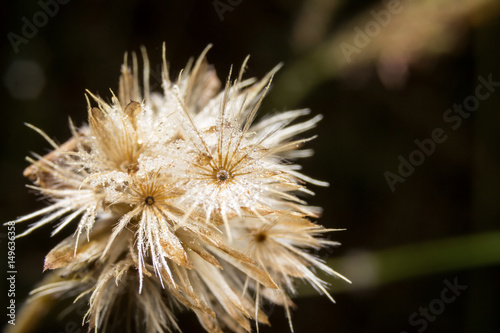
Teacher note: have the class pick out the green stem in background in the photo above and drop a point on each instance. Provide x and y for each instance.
(374, 269)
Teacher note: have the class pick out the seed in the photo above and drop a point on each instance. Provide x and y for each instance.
(260, 237)
(222, 175)
(149, 201)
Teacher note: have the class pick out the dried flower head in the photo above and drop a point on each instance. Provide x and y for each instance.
(184, 201)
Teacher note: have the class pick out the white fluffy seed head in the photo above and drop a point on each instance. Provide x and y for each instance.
(181, 194)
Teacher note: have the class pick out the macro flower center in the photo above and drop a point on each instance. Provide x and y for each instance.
(149, 201)
(260, 237)
(222, 175)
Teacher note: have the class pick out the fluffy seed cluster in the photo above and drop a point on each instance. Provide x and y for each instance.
(179, 200)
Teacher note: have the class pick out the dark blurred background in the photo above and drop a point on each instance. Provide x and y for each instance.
(383, 75)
